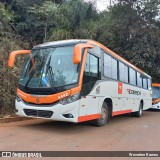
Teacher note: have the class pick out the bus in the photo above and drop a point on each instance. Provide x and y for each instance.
(156, 96)
(79, 80)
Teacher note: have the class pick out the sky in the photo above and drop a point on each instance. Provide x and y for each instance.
(102, 4)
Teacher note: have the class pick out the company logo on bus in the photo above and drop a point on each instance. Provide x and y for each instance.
(120, 87)
(37, 100)
(130, 91)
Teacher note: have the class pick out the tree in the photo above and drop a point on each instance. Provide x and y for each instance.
(78, 19)
(46, 16)
(9, 41)
(128, 29)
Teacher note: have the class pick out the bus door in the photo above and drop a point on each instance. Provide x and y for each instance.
(90, 90)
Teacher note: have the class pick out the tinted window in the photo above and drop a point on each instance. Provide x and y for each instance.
(107, 66)
(132, 76)
(110, 67)
(149, 84)
(86, 77)
(87, 65)
(123, 72)
(139, 79)
(91, 71)
(145, 83)
(93, 66)
(156, 92)
(114, 68)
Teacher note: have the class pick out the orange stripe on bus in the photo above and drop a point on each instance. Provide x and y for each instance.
(121, 112)
(42, 99)
(155, 84)
(88, 117)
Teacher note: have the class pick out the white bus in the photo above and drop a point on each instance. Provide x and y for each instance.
(79, 80)
(156, 96)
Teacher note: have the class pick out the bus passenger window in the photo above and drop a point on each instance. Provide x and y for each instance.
(107, 66)
(132, 76)
(93, 66)
(145, 83)
(149, 84)
(91, 71)
(139, 79)
(114, 68)
(125, 74)
(121, 71)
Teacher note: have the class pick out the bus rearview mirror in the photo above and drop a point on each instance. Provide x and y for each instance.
(13, 55)
(77, 55)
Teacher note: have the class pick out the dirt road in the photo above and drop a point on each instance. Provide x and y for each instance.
(122, 133)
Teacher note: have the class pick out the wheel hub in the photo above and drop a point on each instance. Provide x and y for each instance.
(103, 114)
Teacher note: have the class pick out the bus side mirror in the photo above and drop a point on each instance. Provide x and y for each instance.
(77, 55)
(13, 55)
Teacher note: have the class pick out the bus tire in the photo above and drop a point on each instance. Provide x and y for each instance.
(140, 111)
(104, 116)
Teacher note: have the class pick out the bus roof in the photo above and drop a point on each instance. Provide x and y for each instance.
(77, 41)
(60, 43)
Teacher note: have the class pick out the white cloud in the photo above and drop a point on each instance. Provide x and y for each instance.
(102, 4)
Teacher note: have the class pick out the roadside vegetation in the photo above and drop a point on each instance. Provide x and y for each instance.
(131, 28)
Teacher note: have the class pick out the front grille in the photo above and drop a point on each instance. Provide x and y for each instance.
(38, 113)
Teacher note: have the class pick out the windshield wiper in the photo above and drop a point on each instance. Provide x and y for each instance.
(51, 74)
(30, 77)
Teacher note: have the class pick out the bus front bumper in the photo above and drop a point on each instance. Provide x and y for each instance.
(57, 112)
(156, 106)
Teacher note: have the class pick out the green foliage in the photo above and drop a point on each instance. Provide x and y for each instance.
(9, 41)
(46, 15)
(129, 30)
(6, 17)
(76, 19)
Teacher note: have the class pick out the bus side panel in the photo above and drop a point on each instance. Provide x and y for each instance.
(128, 99)
(125, 98)
(89, 106)
(109, 90)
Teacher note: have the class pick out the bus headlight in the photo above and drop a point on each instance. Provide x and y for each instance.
(70, 99)
(17, 98)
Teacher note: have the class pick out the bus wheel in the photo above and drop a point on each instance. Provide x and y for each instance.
(140, 111)
(104, 116)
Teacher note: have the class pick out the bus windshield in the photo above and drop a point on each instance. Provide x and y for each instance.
(156, 92)
(50, 67)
